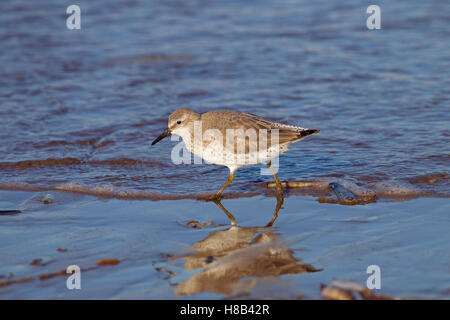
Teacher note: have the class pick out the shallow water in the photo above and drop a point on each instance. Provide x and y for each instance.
(79, 110)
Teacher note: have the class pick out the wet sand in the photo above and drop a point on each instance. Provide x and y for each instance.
(182, 249)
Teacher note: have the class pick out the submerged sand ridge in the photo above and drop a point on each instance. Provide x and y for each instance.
(330, 190)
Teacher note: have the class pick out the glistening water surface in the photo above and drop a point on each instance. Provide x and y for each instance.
(79, 109)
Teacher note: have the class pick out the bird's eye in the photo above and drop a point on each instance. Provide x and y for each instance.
(179, 122)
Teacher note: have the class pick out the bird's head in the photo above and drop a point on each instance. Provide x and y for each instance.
(180, 123)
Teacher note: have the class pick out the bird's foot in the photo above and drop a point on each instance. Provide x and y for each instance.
(214, 197)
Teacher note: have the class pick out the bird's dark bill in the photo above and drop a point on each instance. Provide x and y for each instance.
(166, 133)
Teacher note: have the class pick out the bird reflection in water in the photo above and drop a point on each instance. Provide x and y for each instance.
(280, 201)
(257, 255)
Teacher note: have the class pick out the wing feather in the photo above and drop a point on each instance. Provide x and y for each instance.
(244, 121)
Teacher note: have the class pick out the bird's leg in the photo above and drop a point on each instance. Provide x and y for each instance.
(219, 193)
(277, 182)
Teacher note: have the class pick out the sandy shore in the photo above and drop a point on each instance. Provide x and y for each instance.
(174, 249)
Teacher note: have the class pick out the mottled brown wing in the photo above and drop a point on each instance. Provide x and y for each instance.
(285, 133)
(263, 129)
